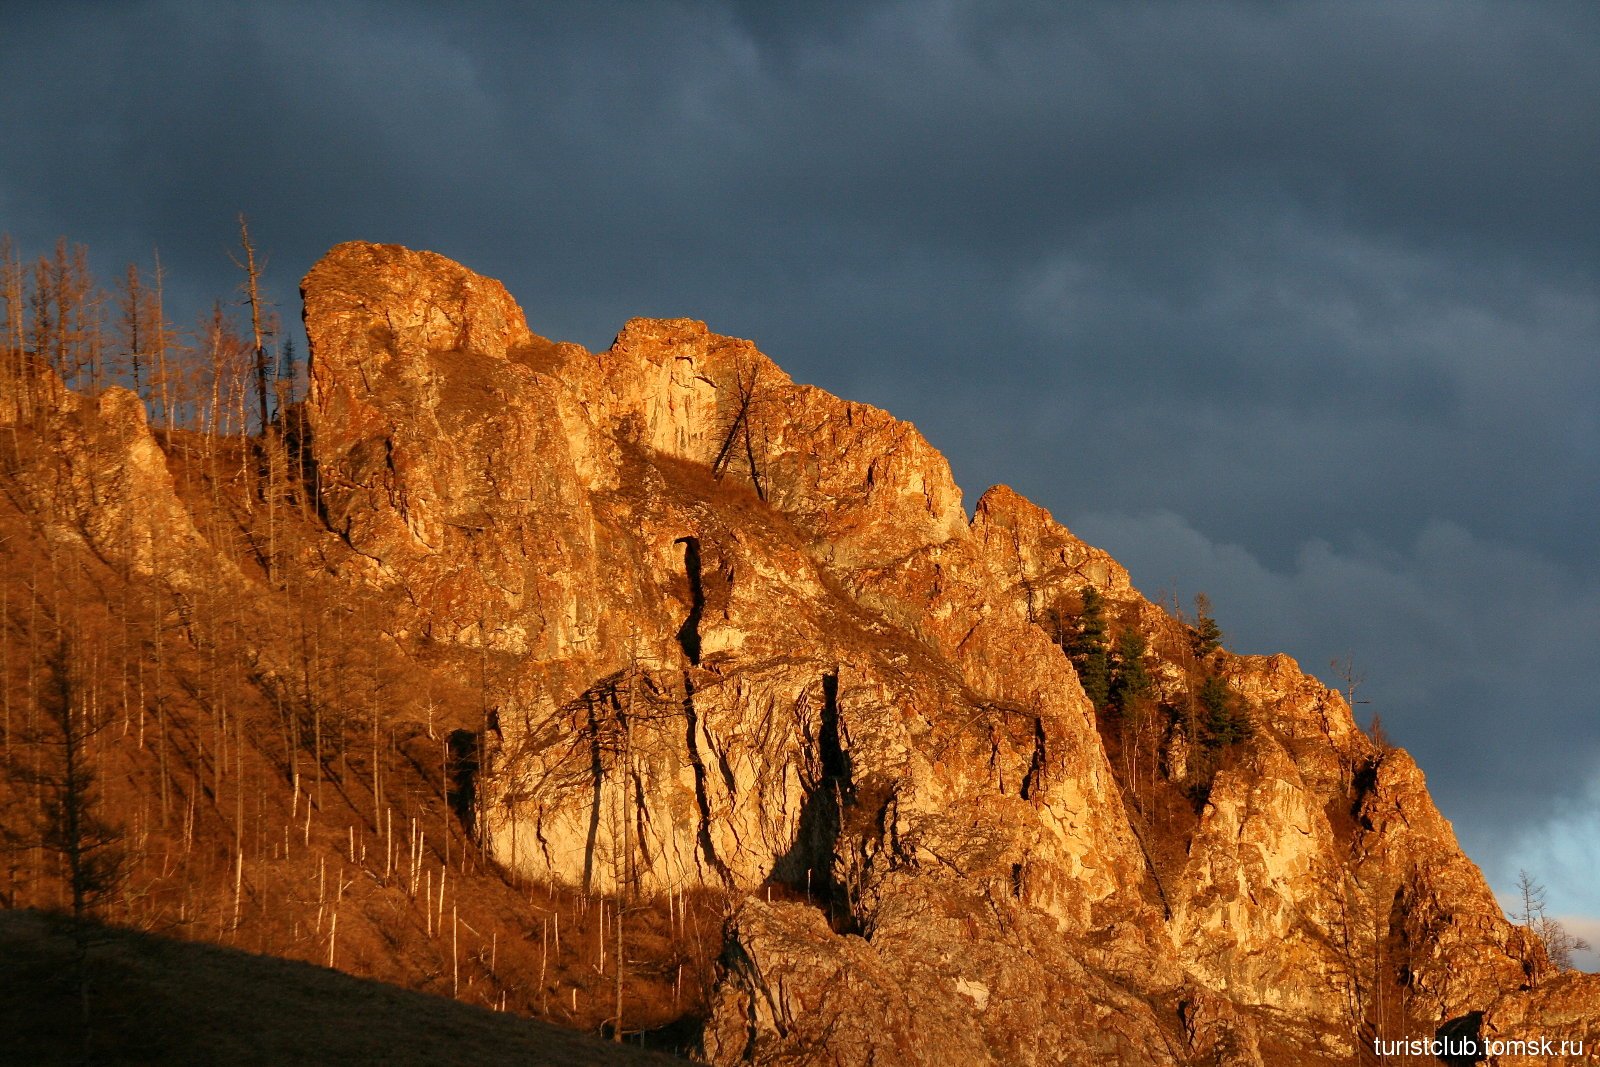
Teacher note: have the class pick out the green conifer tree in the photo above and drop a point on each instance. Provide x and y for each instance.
(1224, 719)
(1205, 636)
(1087, 648)
(1133, 684)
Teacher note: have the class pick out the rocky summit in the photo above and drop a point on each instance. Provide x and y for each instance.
(691, 631)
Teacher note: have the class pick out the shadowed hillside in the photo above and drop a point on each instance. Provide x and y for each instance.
(160, 1001)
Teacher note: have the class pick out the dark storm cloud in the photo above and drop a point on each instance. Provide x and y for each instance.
(1292, 302)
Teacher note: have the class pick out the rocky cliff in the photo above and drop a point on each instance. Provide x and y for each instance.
(713, 634)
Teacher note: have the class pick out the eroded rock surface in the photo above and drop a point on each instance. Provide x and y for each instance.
(742, 635)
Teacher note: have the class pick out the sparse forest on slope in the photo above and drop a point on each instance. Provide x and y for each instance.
(650, 692)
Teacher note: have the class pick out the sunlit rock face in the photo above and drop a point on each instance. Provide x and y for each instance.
(744, 637)
(110, 489)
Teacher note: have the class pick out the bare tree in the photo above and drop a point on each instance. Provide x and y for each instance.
(1559, 943)
(1531, 895)
(741, 433)
(65, 314)
(160, 341)
(133, 304)
(1378, 735)
(1344, 668)
(252, 288)
(13, 300)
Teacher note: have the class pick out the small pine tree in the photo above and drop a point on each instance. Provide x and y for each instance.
(1224, 721)
(1131, 695)
(1095, 674)
(1133, 683)
(1086, 647)
(71, 823)
(1205, 636)
(1091, 628)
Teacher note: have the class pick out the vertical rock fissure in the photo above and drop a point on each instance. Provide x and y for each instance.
(835, 761)
(809, 865)
(689, 632)
(1030, 781)
(702, 800)
(838, 791)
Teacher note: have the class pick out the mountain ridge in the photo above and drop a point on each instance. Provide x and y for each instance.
(699, 632)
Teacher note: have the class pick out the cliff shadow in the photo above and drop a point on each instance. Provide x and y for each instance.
(807, 868)
(689, 633)
(461, 782)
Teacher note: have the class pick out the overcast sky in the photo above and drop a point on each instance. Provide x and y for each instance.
(1295, 304)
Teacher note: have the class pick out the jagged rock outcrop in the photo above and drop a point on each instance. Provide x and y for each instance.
(726, 656)
(693, 629)
(112, 490)
(730, 632)
(1560, 1011)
